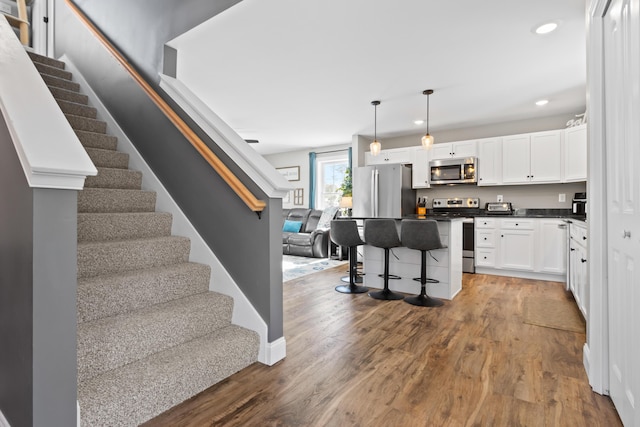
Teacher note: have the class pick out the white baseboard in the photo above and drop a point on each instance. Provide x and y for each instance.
(3, 421)
(586, 356)
(522, 274)
(244, 314)
(276, 351)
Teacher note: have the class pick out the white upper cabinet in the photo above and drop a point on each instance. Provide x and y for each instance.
(457, 149)
(388, 157)
(532, 158)
(420, 168)
(575, 153)
(490, 161)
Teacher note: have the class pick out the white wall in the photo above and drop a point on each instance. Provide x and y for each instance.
(301, 159)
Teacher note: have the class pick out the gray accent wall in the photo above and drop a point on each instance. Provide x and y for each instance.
(243, 243)
(16, 292)
(38, 265)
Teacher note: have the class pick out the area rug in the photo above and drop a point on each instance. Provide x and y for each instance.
(552, 313)
(298, 266)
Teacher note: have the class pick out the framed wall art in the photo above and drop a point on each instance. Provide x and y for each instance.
(291, 173)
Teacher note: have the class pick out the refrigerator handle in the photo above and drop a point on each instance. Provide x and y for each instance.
(374, 195)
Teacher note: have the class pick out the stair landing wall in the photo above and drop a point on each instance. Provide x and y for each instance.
(37, 297)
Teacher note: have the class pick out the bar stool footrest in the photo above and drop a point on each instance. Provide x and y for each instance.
(418, 279)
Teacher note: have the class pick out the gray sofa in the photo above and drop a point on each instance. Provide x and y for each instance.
(310, 241)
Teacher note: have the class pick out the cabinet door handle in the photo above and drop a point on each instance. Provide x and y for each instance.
(626, 234)
(572, 249)
(585, 237)
(583, 260)
(502, 235)
(516, 224)
(485, 238)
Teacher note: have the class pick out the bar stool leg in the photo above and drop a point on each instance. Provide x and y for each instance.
(386, 293)
(352, 288)
(424, 300)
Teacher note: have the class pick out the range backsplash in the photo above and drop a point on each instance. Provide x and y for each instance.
(521, 196)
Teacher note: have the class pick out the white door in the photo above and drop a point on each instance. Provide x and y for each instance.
(622, 133)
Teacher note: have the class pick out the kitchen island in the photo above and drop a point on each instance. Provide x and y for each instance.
(444, 265)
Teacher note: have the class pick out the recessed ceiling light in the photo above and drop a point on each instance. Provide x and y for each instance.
(546, 28)
(418, 122)
(542, 102)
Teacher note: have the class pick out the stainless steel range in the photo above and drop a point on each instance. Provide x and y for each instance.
(467, 208)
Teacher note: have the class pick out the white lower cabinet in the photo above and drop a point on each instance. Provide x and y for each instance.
(522, 247)
(578, 271)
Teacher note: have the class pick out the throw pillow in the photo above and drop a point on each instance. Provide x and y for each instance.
(324, 223)
(292, 226)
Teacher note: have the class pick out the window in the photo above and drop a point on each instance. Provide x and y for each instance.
(330, 171)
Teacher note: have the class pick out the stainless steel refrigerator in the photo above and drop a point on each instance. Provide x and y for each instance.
(383, 191)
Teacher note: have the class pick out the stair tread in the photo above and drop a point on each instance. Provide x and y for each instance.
(35, 57)
(52, 71)
(114, 178)
(86, 123)
(99, 226)
(96, 258)
(61, 83)
(68, 95)
(144, 389)
(117, 293)
(116, 200)
(97, 140)
(70, 107)
(108, 158)
(108, 343)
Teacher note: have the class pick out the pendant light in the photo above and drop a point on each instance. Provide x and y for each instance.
(427, 140)
(375, 145)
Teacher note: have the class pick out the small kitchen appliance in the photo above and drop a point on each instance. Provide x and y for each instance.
(579, 205)
(498, 208)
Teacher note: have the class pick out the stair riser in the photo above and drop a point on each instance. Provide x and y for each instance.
(106, 227)
(108, 159)
(114, 178)
(61, 83)
(105, 296)
(95, 259)
(142, 390)
(77, 109)
(46, 60)
(97, 140)
(110, 200)
(131, 337)
(66, 95)
(53, 71)
(86, 124)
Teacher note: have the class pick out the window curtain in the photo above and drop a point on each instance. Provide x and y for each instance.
(350, 161)
(312, 180)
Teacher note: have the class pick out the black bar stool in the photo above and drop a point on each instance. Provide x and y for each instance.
(422, 235)
(383, 233)
(345, 233)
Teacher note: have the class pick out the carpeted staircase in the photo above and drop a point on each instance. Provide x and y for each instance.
(150, 333)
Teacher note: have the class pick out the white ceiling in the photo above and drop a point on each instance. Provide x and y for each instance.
(298, 74)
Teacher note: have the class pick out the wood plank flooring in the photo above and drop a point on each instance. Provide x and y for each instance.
(355, 361)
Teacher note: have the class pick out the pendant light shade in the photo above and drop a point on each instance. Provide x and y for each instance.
(427, 140)
(375, 146)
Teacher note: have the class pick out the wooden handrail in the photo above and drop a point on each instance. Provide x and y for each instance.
(238, 187)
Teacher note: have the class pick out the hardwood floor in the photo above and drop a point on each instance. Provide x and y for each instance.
(355, 361)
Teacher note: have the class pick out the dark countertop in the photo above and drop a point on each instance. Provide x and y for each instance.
(517, 213)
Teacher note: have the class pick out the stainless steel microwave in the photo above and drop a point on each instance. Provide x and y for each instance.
(454, 171)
